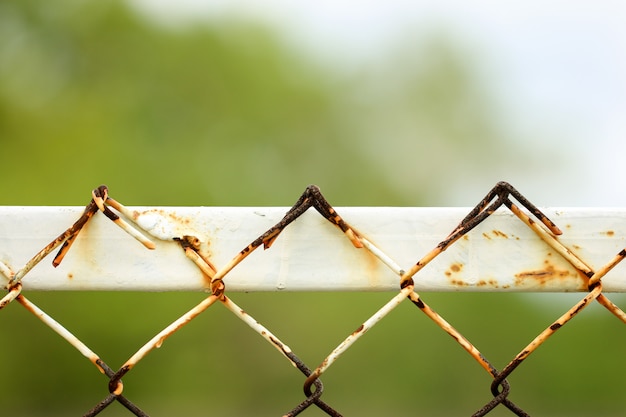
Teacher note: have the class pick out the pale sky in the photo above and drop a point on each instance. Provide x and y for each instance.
(557, 65)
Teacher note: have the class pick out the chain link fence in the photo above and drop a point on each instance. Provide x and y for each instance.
(216, 281)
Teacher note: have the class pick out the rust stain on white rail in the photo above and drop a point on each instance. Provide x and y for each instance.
(501, 254)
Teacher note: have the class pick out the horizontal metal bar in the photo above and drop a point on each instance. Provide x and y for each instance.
(501, 254)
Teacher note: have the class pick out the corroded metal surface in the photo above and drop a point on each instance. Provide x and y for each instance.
(308, 256)
(401, 250)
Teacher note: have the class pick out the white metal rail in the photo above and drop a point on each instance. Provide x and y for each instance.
(500, 254)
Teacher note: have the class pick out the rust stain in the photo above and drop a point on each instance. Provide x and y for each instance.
(498, 233)
(542, 276)
(83, 247)
(205, 253)
(70, 275)
(135, 215)
(454, 269)
(486, 236)
(206, 258)
(172, 217)
(194, 245)
(610, 233)
(487, 283)
(372, 262)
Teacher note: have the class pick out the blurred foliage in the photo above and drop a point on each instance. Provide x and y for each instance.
(92, 93)
(225, 114)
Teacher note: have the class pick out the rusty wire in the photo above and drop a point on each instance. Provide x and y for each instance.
(500, 195)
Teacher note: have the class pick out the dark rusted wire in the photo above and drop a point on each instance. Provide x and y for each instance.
(501, 398)
(500, 192)
(312, 197)
(113, 397)
(498, 196)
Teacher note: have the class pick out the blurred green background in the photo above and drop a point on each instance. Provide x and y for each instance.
(226, 112)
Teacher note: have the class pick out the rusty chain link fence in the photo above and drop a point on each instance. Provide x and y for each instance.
(216, 281)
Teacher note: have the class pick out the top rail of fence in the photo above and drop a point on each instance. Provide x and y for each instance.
(500, 254)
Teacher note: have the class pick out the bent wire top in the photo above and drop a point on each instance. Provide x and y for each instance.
(491, 249)
(378, 240)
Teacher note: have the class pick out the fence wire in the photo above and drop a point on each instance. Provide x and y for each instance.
(503, 194)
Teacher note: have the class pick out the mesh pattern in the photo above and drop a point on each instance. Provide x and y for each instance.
(502, 195)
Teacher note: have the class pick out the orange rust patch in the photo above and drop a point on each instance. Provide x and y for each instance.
(454, 269)
(498, 233)
(175, 218)
(373, 263)
(610, 233)
(488, 283)
(70, 276)
(486, 236)
(542, 276)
